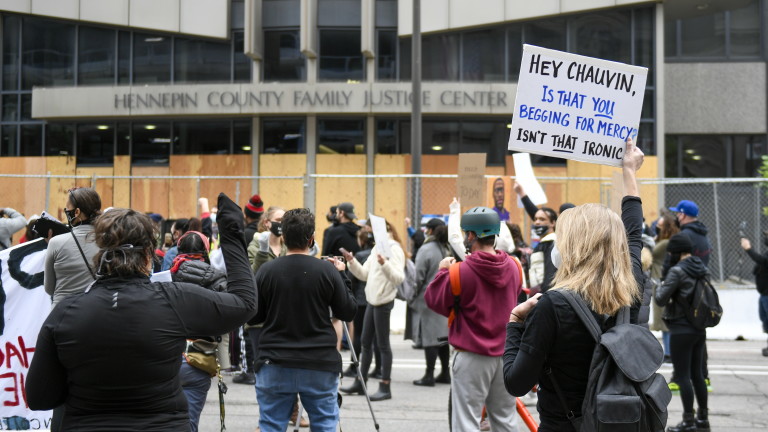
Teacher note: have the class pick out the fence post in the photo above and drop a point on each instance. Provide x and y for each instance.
(717, 233)
(93, 182)
(47, 191)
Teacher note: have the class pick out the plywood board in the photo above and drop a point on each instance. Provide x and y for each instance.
(182, 197)
(121, 192)
(391, 194)
(437, 194)
(104, 186)
(332, 191)
(150, 195)
(59, 165)
(288, 194)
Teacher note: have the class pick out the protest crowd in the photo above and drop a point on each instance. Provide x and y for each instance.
(247, 291)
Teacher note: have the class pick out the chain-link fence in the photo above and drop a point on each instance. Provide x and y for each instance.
(724, 203)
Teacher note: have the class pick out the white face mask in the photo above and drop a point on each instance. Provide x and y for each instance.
(555, 257)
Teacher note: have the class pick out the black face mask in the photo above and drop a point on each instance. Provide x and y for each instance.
(276, 228)
(70, 214)
(540, 229)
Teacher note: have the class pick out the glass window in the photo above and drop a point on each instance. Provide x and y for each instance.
(341, 136)
(339, 13)
(151, 58)
(241, 137)
(340, 56)
(515, 51)
(672, 158)
(283, 60)
(546, 33)
(647, 110)
(151, 143)
(703, 36)
(404, 57)
(440, 137)
(95, 56)
(242, 63)
(745, 31)
(281, 13)
(282, 136)
(237, 18)
(26, 107)
(386, 137)
(8, 134)
(440, 57)
(123, 138)
(481, 59)
(704, 156)
(485, 137)
(670, 38)
(11, 107)
(644, 40)
(646, 137)
(48, 53)
(201, 61)
(201, 137)
(31, 140)
(11, 26)
(605, 35)
(123, 58)
(747, 154)
(386, 55)
(386, 13)
(95, 144)
(59, 139)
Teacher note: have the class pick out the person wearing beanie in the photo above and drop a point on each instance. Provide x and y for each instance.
(253, 210)
(687, 343)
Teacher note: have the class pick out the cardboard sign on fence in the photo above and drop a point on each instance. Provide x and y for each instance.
(471, 181)
(576, 107)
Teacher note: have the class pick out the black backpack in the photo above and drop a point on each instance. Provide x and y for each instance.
(624, 391)
(704, 309)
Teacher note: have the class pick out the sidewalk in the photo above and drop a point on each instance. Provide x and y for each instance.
(738, 403)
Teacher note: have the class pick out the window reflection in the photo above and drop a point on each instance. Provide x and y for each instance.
(151, 58)
(345, 136)
(48, 53)
(340, 56)
(96, 56)
(201, 61)
(151, 143)
(481, 60)
(283, 60)
(386, 55)
(283, 136)
(606, 36)
(95, 144)
(31, 140)
(201, 137)
(59, 139)
(11, 28)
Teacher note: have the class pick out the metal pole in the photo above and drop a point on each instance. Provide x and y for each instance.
(237, 191)
(416, 114)
(717, 233)
(48, 191)
(197, 198)
(93, 182)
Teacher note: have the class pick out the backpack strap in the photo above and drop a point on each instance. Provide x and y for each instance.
(519, 268)
(568, 412)
(455, 280)
(585, 315)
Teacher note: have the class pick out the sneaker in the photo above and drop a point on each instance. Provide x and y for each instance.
(673, 387)
(244, 378)
(709, 385)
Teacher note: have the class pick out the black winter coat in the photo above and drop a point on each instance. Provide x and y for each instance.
(678, 288)
(760, 271)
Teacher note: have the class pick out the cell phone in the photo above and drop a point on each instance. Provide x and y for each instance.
(343, 251)
(743, 229)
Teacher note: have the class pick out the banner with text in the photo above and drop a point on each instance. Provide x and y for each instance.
(576, 107)
(25, 308)
(471, 179)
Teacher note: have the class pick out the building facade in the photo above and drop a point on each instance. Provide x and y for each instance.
(132, 85)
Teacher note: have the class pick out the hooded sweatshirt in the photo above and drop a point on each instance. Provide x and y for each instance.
(343, 235)
(697, 232)
(490, 284)
(678, 288)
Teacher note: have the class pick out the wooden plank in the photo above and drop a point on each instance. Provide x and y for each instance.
(391, 194)
(225, 165)
(288, 194)
(182, 197)
(436, 194)
(59, 165)
(150, 195)
(332, 191)
(121, 192)
(104, 187)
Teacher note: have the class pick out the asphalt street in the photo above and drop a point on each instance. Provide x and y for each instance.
(739, 401)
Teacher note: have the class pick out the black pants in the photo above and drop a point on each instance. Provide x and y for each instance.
(688, 352)
(376, 325)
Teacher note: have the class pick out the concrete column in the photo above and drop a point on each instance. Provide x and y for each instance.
(255, 149)
(309, 182)
(660, 94)
(370, 151)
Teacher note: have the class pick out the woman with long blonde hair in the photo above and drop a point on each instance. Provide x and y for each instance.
(597, 255)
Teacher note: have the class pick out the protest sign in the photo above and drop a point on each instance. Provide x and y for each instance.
(524, 175)
(25, 308)
(576, 107)
(496, 195)
(380, 235)
(471, 181)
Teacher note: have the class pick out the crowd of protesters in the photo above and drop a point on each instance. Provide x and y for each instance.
(237, 279)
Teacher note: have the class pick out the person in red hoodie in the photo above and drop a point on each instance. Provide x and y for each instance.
(490, 282)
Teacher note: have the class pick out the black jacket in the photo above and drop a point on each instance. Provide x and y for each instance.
(760, 271)
(250, 230)
(697, 232)
(678, 288)
(201, 273)
(343, 235)
(112, 355)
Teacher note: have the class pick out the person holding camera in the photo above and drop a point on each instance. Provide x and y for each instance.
(299, 356)
(10, 222)
(761, 279)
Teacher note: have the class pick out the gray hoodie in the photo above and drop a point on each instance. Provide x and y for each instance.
(8, 226)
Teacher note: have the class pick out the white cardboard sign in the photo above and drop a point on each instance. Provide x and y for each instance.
(380, 235)
(576, 107)
(527, 179)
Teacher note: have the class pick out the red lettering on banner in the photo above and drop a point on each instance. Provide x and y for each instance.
(25, 351)
(14, 390)
(12, 351)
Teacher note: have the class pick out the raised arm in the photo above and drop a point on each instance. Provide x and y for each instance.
(632, 216)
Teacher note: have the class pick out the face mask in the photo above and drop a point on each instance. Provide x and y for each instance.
(539, 230)
(276, 228)
(70, 215)
(555, 257)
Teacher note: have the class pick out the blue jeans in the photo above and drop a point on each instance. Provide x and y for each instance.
(195, 384)
(763, 311)
(276, 389)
